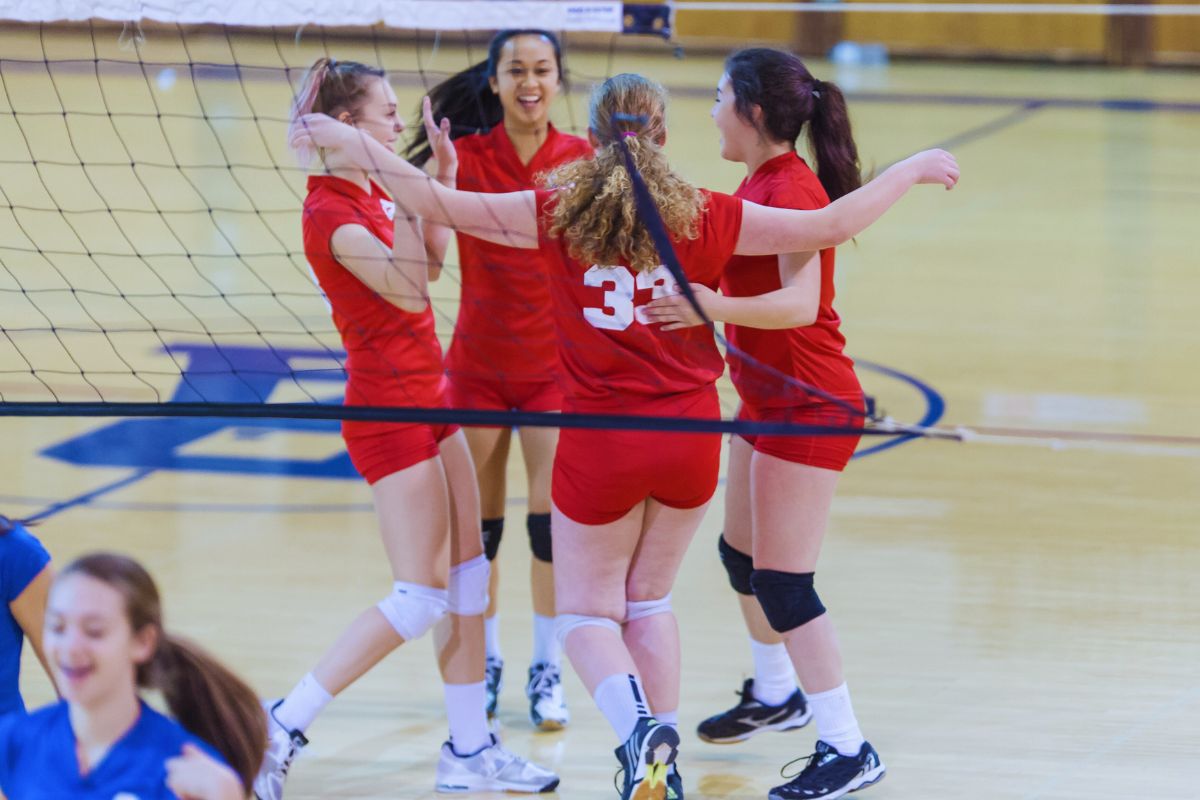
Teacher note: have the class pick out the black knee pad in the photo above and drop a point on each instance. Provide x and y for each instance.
(738, 565)
(787, 598)
(539, 537)
(493, 530)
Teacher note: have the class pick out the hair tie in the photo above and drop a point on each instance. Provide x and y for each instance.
(817, 88)
(627, 134)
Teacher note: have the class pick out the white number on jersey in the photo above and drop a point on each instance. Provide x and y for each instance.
(619, 312)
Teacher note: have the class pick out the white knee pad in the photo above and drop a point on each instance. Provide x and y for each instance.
(413, 609)
(565, 623)
(469, 587)
(639, 609)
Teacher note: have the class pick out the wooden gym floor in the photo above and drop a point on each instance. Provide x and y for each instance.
(1019, 615)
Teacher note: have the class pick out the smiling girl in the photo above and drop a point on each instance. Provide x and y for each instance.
(104, 640)
(503, 356)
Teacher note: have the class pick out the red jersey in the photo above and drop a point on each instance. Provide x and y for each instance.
(504, 327)
(393, 358)
(609, 355)
(812, 354)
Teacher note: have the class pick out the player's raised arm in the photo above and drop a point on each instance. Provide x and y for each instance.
(509, 219)
(766, 231)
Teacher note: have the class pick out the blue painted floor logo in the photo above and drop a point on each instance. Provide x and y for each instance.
(247, 374)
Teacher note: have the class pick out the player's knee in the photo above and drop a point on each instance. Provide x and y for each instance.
(788, 599)
(640, 609)
(565, 623)
(539, 537)
(412, 609)
(469, 587)
(493, 530)
(738, 566)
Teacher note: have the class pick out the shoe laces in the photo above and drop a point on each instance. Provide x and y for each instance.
(818, 760)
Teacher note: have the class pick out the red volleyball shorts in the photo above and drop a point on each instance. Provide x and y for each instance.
(826, 452)
(377, 449)
(600, 475)
(492, 394)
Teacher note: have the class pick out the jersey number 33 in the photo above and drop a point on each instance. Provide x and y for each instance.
(621, 286)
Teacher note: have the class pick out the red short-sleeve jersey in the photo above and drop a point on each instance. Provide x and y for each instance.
(610, 356)
(393, 357)
(812, 354)
(504, 328)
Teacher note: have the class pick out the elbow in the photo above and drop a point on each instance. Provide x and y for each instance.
(412, 305)
(839, 232)
(803, 317)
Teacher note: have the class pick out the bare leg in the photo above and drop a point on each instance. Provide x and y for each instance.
(739, 533)
(413, 510)
(489, 453)
(592, 564)
(537, 447)
(459, 639)
(792, 503)
(653, 641)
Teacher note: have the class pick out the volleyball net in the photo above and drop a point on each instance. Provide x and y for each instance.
(150, 253)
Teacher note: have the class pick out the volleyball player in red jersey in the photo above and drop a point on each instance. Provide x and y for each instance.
(503, 355)
(779, 312)
(626, 504)
(372, 264)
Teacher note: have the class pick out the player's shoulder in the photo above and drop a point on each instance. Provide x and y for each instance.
(15, 538)
(797, 186)
(24, 728)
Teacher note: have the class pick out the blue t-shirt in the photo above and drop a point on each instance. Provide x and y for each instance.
(22, 557)
(38, 762)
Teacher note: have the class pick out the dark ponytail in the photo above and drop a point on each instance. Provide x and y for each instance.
(789, 96)
(204, 696)
(211, 703)
(467, 99)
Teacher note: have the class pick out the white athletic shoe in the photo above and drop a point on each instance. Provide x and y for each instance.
(282, 747)
(547, 709)
(492, 769)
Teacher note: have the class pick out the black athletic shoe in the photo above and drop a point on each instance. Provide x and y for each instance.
(674, 783)
(750, 717)
(830, 774)
(646, 760)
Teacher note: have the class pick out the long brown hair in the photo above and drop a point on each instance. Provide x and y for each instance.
(594, 209)
(202, 694)
(790, 99)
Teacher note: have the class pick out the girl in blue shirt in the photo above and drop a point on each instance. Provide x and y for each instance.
(104, 640)
(25, 575)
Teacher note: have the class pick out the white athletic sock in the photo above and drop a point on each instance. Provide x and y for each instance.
(668, 718)
(302, 705)
(465, 704)
(836, 724)
(545, 643)
(774, 676)
(491, 636)
(622, 700)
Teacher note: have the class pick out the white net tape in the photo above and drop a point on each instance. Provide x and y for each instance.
(596, 15)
